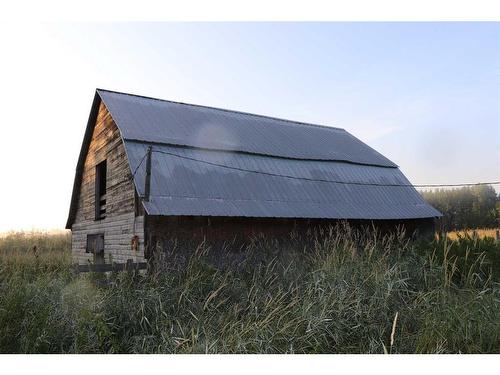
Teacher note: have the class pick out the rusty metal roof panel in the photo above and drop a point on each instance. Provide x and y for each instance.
(167, 122)
(187, 181)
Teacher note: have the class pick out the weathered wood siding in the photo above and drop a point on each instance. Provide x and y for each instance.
(121, 222)
(162, 231)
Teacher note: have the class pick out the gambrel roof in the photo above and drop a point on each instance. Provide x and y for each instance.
(215, 162)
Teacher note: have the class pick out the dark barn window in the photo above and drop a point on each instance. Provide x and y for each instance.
(100, 190)
(95, 245)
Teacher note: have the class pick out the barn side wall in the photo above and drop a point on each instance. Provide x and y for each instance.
(161, 230)
(121, 223)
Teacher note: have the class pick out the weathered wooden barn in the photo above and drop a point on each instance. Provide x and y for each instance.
(152, 170)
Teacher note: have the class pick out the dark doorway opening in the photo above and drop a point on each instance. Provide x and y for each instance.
(100, 190)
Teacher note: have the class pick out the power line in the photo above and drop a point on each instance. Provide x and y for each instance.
(314, 179)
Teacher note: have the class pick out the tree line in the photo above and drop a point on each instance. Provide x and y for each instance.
(466, 207)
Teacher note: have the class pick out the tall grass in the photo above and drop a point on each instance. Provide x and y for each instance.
(480, 232)
(342, 292)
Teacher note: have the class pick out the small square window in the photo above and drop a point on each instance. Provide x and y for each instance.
(95, 245)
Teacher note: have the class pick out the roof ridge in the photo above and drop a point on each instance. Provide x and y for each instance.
(227, 110)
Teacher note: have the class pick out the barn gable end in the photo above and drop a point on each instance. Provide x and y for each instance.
(121, 223)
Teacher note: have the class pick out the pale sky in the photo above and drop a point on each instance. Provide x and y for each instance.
(426, 95)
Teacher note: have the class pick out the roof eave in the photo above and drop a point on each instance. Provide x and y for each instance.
(81, 159)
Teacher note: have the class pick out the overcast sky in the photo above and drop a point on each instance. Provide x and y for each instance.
(426, 95)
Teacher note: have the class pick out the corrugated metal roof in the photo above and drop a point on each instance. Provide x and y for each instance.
(280, 168)
(187, 181)
(155, 120)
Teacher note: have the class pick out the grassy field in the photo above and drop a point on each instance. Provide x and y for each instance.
(481, 233)
(346, 293)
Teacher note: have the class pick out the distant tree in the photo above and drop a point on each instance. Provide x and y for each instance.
(467, 207)
(498, 211)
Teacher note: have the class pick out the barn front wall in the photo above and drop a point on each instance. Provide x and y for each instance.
(123, 225)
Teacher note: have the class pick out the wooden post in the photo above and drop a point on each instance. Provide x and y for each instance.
(497, 235)
(147, 183)
(129, 266)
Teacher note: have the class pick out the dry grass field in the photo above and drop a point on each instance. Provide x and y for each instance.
(481, 233)
(341, 294)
